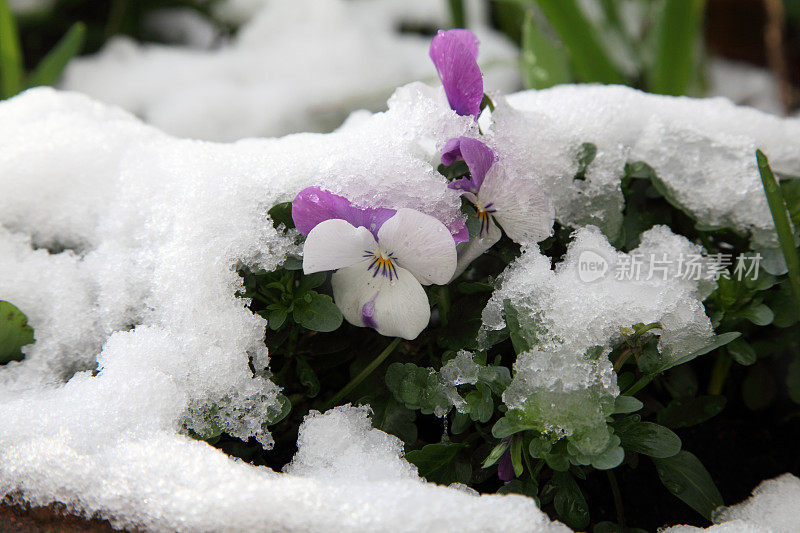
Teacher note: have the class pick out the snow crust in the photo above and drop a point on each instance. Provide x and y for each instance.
(701, 149)
(299, 65)
(560, 384)
(773, 508)
(122, 245)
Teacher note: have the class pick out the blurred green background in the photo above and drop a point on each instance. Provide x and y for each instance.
(655, 45)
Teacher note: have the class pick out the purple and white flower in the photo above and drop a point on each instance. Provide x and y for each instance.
(455, 55)
(382, 257)
(517, 205)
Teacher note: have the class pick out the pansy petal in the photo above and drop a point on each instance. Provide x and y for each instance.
(335, 244)
(395, 308)
(470, 251)
(451, 151)
(455, 54)
(521, 207)
(314, 205)
(420, 244)
(458, 229)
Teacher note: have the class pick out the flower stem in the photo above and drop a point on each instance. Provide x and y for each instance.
(719, 373)
(353, 383)
(639, 385)
(612, 480)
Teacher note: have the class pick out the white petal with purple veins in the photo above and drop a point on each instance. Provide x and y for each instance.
(396, 308)
(420, 244)
(522, 208)
(336, 244)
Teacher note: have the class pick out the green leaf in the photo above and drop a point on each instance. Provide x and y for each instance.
(50, 67)
(626, 404)
(569, 501)
(544, 63)
(586, 155)
(457, 169)
(496, 453)
(523, 331)
(276, 318)
(686, 477)
(14, 333)
(784, 306)
(11, 66)
(742, 352)
(648, 438)
(319, 314)
(417, 388)
(282, 214)
(395, 419)
(510, 424)
(790, 190)
(780, 217)
(686, 412)
(759, 314)
(589, 59)
(516, 454)
(480, 406)
(310, 281)
(307, 376)
(437, 463)
(717, 342)
(528, 488)
(678, 32)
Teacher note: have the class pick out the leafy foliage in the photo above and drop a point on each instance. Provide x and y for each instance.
(14, 333)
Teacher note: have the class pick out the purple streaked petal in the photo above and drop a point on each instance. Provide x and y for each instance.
(455, 55)
(368, 313)
(451, 151)
(459, 230)
(314, 205)
(478, 157)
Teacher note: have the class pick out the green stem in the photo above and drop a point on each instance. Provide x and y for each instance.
(612, 480)
(457, 13)
(623, 356)
(780, 217)
(639, 385)
(363, 374)
(719, 373)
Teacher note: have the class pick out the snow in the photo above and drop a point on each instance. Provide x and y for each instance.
(703, 150)
(566, 391)
(122, 244)
(295, 66)
(772, 508)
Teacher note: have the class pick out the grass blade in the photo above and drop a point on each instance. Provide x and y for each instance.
(780, 216)
(677, 35)
(590, 61)
(50, 67)
(457, 14)
(544, 63)
(11, 67)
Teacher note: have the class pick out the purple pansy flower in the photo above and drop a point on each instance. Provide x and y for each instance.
(314, 205)
(519, 206)
(455, 55)
(382, 257)
(505, 468)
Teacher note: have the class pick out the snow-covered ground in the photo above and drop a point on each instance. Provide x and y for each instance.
(294, 66)
(121, 244)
